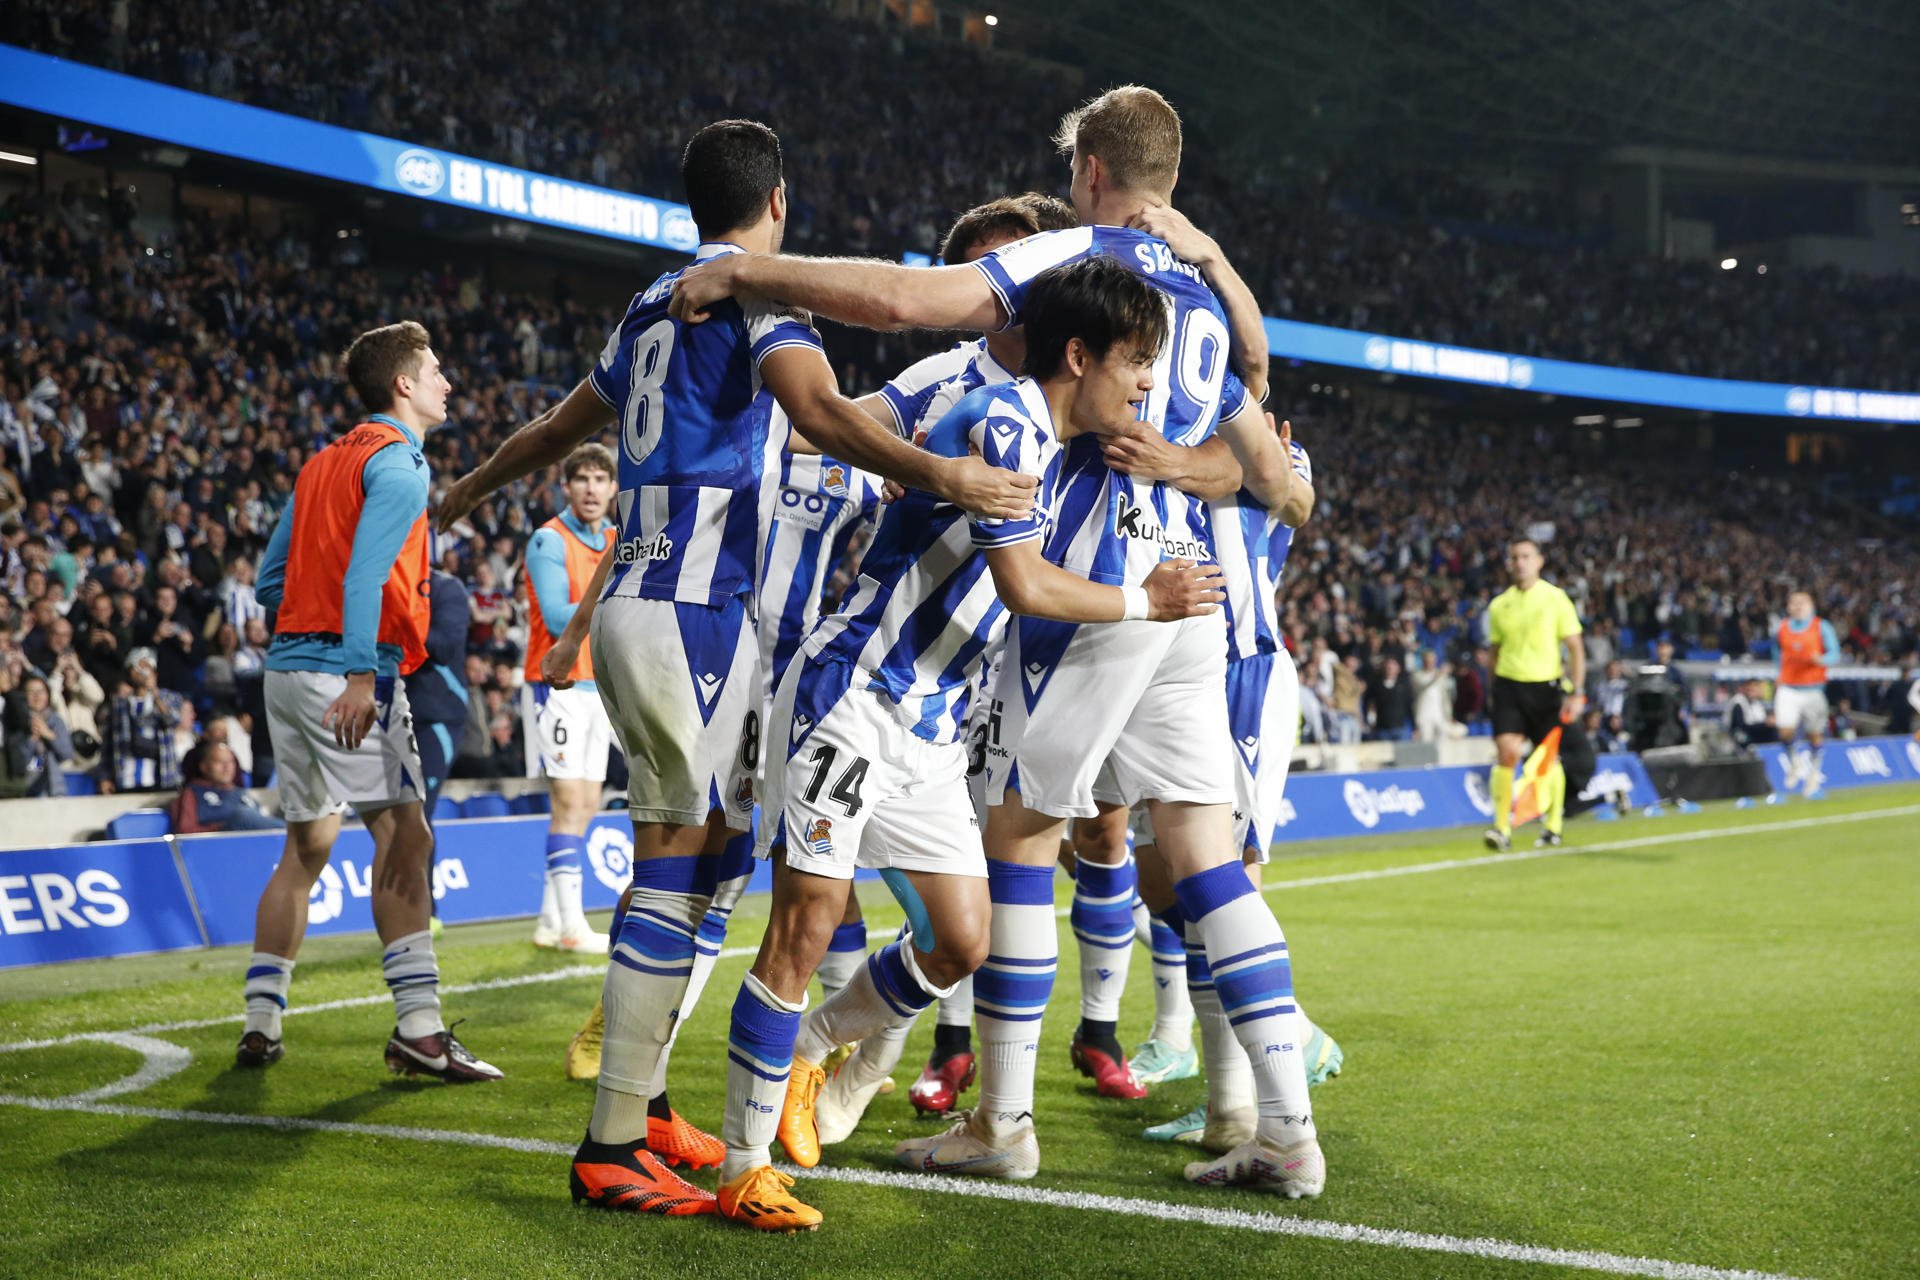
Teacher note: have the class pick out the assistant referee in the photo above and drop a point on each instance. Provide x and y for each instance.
(1533, 692)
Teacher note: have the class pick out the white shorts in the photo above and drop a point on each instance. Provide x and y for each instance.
(1263, 709)
(1800, 708)
(681, 685)
(319, 777)
(1112, 713)
(854, 787)
(568, 732)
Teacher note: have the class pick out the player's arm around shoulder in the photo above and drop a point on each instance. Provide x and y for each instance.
(861, 291)
(1268, 467)
(803, 383)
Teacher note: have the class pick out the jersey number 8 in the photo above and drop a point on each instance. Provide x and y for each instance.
(640, 429)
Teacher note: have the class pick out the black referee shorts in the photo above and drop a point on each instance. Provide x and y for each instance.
(1525, 707)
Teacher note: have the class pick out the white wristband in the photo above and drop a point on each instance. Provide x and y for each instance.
(1136, 606)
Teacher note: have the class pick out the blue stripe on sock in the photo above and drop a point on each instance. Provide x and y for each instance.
(660, 971)
(897, 987)
(1167, 946)
(849, 937)
(1272, 948)
(566, 852)
(669, 875)
(265, 971)
(764, 1075)
(1204, 892)
(1255, 984)
(1015, 885)
(762, 1032)
(1002, 990)
(1096, 881)
(1258, 1014)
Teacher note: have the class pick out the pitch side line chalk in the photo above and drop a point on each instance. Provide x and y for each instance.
(1084, 1202)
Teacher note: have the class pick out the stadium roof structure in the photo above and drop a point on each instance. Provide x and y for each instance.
(1830, 81)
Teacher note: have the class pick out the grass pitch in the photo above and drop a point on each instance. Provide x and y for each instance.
(1693, 1050)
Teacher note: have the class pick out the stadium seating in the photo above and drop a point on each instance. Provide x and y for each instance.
(139, 824)
(485, 805)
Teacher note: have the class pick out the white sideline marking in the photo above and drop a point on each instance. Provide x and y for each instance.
(1084, 1202)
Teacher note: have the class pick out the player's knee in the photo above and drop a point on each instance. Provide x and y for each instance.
(957, 951)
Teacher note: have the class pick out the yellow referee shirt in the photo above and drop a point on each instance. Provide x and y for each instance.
(1529, 626)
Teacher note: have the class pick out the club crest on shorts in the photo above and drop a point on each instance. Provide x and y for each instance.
(820, 837)
(743, 794)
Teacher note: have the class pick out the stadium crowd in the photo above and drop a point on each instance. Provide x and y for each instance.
(882, 160)
(154, 409)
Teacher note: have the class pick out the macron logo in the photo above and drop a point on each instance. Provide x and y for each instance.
(1004, 436)
(802, 726)
(709, 686)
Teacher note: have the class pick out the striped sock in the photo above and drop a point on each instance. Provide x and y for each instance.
(268, 977)
(888, 989)
(1229, 1072)
(759, 1060)
(647, 980)
(1172, 1011)
(845, 954)
(566, 856)
(1254, 981)
(1010, 990)
(727, 879)
(1102, 919)
(413, 975)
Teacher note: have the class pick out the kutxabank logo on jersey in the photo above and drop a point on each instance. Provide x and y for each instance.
(419, 173)
(610, 853)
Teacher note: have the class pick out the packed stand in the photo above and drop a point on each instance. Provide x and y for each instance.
(1386, 588)
(880, 162)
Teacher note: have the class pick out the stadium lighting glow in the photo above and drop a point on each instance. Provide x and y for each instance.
(991, 20)
(18, 158)
(1728, 264)
(1763, 268)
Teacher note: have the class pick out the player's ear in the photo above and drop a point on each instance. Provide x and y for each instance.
(1077, 357)
(777, 203)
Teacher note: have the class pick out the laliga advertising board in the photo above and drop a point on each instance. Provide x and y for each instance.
(483, 869)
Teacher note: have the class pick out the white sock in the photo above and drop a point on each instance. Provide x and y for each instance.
(413, 975)
(268, 977)
(759, 1060)
(1172, 1011)
(549, 905)
(1102, 918)
(1253, 982)
(1229, 1071)
(956, 1010)
(647, 982)
(566, 858)
(1011, 989)
(888, 988)
(878, 1054)
(845, 954)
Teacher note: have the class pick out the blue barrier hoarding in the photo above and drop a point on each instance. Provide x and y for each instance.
(1856, 762)
(81, 901)
(104, 98)
(1383, 353)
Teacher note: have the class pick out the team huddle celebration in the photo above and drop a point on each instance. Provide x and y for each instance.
(959, 642)
(1060, 646)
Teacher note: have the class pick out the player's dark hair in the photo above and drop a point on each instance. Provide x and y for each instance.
(729, 168)
(1532, 542)
(378, 356)
(589, 457)
(1096, 300)
(1009, 217)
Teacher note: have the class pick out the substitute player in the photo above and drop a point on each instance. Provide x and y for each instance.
(1093, 728)
(867, 763)
(674, 654)
(347, 569)
(567, 729)
(1809, 647)
(1534, 693)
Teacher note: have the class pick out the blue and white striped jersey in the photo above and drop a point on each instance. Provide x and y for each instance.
(926, 389)
(924, 611)
(1111, 528)
(693, 441)
(1251, 546)
(818, 507)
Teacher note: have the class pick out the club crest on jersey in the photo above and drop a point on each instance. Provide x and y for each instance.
(820, 838)
(834, 480)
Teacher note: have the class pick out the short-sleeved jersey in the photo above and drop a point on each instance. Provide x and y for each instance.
(692, 422)
(924, 611)
(818, 507)
(1110, 527)
(923, 392)
(1251, 546)
(1529, 626)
